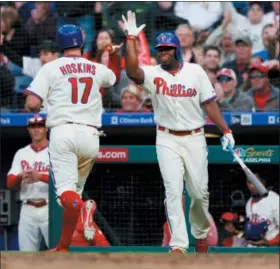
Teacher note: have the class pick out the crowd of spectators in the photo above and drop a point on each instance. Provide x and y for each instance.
(237, 43)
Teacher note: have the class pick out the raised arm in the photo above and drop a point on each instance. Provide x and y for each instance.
(133, 71)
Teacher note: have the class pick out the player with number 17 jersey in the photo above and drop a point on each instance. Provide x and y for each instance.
(70, 85)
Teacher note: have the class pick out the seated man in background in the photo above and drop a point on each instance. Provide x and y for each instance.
(262, 227)
(212, 57)
(266, 96)
(243, 54)
(131, 100)
(30, 175)
(229, 97)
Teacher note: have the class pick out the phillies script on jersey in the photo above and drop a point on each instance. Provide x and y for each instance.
(176, 90)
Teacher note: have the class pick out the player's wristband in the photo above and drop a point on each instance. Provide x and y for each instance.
(228, 131)
(131, 37)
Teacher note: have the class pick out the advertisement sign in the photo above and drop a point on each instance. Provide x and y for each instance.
(112, 155)
(253, 155)
(147, 119)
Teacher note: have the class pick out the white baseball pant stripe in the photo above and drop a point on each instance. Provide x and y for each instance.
(184, 158)
(33, 224)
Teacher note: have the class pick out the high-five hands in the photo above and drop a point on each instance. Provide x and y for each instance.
(130, 27)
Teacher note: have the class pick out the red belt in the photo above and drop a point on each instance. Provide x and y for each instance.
(40, 203)
(71, 122)
(180, 133)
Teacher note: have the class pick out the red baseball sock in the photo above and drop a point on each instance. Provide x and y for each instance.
(71, 200)
(72, 204)
(69, 220)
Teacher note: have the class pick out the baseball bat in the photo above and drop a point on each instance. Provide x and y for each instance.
(250, 175)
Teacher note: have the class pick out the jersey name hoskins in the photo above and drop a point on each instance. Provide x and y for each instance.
(175, 90)
(79, 68)
(38, 166)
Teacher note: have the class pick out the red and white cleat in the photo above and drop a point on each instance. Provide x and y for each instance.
(87, 213)
(201, 245)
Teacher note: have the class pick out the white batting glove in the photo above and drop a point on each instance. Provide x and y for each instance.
(130, 26)
(227, 140)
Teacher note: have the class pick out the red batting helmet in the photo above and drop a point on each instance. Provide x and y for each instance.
(36, 120)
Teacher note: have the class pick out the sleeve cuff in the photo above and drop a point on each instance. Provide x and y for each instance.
(208, 100)
(28, 92)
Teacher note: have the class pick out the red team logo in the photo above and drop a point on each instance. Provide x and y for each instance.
(175, 90)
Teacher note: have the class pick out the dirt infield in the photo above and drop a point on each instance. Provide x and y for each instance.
(45, 260)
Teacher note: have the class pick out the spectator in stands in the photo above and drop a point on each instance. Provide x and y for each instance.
(106, 51)
(243, 53)
(256, 23)
(160, 17)
(230, 98)
(262, 212)
(266, 97)
(187, 39)
(246, 85)
(274, 15)
(7, 82)
(131, 100)
(269, 38)
(48, 51)
(250, 25)
(211, 59)
(201, 15)
(223, 37)
(42, 23)
(15, 37)
(233, 225)
(24, 10)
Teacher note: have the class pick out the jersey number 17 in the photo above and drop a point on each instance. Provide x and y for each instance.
(88, 85)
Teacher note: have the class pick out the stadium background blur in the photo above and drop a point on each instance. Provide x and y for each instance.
(243, 36)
